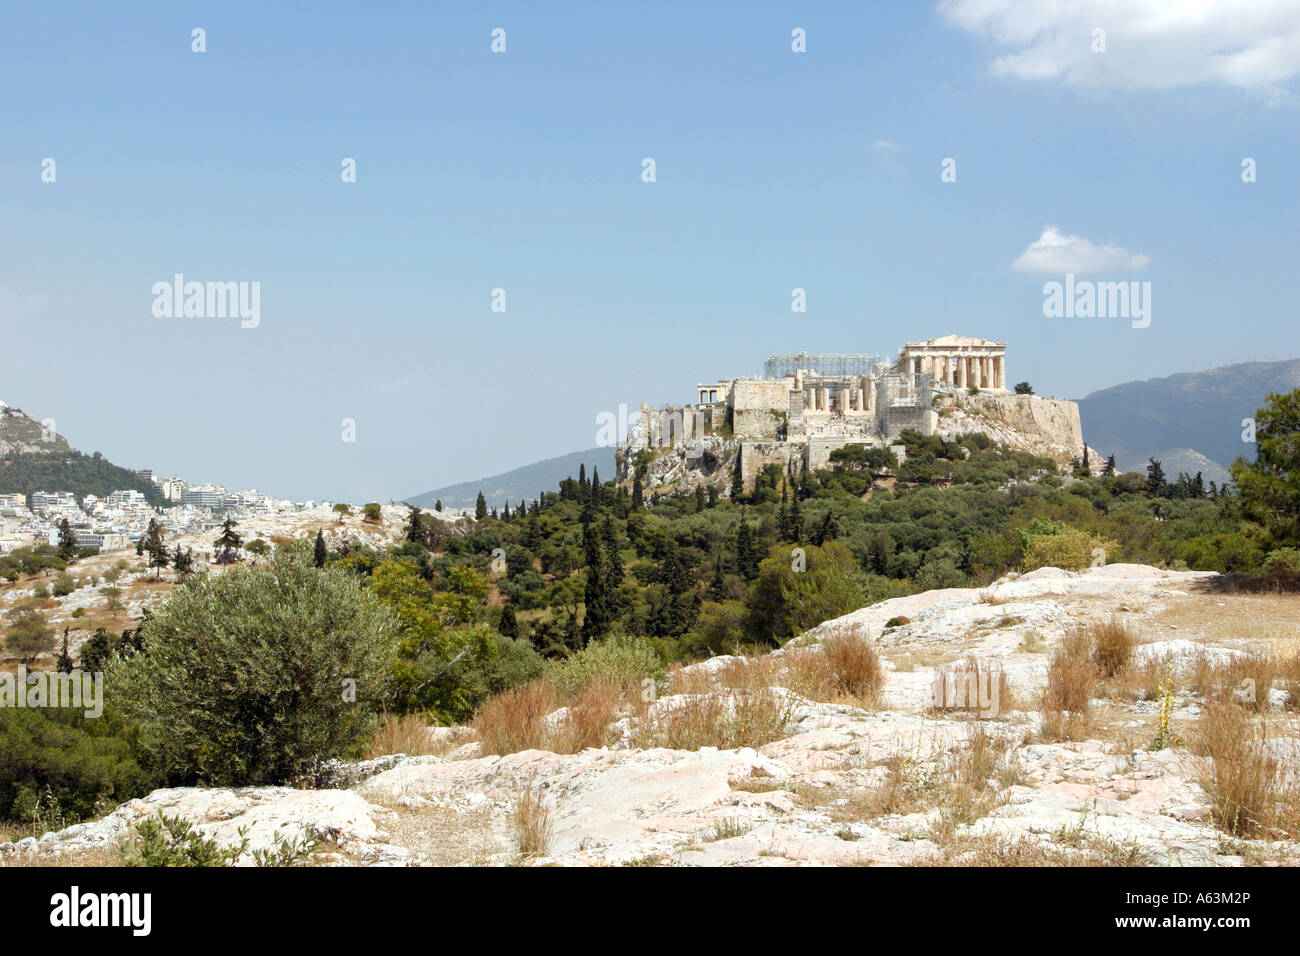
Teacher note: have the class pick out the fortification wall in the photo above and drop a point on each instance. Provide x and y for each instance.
(755, 456)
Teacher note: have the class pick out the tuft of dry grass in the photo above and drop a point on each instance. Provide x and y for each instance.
(405, 734)
(1114, 644)
(515, 719)
(1246, 677)
(1288, 674)
(1071, 680)
(855, 669)
(531, 825)
(807, 672)
(748, 719)
(1250, 795)
(586, 722)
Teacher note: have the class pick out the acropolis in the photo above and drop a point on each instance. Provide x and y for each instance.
(807, 405)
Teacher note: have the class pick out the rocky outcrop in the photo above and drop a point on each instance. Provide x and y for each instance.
(811, 795)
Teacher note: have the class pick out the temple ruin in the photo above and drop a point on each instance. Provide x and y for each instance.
(807, 405)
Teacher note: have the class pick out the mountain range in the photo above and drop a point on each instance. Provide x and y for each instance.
(523, 483)
(1191, 421)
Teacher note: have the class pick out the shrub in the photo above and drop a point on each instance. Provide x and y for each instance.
(626, 661)
(63, 585)
(1051, 544)
(171, 841)
(1281, 559)
(256, 675)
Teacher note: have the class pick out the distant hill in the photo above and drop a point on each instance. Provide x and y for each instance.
(32, 459)
(522, 483)
(1190, 421)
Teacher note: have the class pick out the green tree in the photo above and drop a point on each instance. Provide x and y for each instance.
(320, 554)
(480, 507)
(442, 637)
(67, 541)
(1155, 483)
(1270, 485)
(371, 512)
(255, 675)
(228, 542)
(342, 510)
(596, 617)
(1024, 388)
(28, 634)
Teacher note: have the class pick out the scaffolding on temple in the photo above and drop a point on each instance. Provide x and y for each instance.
(840, 365)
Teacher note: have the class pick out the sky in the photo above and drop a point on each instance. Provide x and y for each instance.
(917, 169)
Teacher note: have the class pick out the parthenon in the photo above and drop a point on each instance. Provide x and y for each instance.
(958, 361)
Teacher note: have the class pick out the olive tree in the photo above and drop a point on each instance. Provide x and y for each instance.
(254, 675)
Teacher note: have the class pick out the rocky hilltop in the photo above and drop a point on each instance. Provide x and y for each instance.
(895, 782)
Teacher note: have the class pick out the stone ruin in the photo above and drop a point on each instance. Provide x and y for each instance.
(807, 405)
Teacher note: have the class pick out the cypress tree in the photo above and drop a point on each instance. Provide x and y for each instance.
(480, 508)
(613, 563)
(638, 492)
(508, 626)
(595, 621)
(320, 553)
(1155, 483)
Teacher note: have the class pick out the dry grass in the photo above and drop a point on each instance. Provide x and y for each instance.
(1246, 677)
(1141, 681)
(587, 719)
(975, 687)
(1071, 680)
(531, 825)
(1114, 646)
(749, 718)
(964, 785)
(1288, 674)
(855, 669)
(1251, 795)
(515, 719)
(807, 671)
(406, 734)
(97, 856)
(521, 718)
(1090, 851)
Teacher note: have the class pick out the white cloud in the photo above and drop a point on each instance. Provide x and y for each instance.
(887, 146)
(1055, 253)
(1150, 44)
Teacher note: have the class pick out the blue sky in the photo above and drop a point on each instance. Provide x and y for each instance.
(522, 170)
